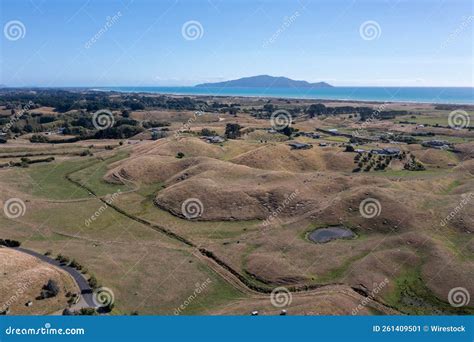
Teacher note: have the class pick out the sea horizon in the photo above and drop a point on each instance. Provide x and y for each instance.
(436, 95)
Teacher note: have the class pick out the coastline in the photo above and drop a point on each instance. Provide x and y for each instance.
(166, 92)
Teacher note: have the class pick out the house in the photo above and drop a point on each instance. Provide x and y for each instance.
(214, 139)
(438, 144)
(389, 151)
(300, 146)
(310, 135)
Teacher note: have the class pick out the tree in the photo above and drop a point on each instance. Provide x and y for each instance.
(288, 131)
(232, 131)
(349, 148)
(233, 111)
(316, 109)
(269, 108)
(51, 289)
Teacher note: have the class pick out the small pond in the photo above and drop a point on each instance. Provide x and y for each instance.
(323, 235)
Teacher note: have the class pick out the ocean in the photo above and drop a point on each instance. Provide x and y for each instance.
(447, 95)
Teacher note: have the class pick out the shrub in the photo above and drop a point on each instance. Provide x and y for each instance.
(179, 155)
(9, 243)
(38, 138)
(86, 312)
(93, 282)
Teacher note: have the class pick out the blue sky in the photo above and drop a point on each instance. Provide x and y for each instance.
(416, 43)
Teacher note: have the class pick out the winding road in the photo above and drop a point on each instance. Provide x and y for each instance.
(85, 289)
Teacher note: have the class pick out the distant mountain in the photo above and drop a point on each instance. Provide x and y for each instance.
(264, 81)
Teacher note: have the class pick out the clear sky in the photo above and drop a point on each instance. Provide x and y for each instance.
(402, 43)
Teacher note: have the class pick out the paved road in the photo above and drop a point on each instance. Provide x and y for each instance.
(86, 290)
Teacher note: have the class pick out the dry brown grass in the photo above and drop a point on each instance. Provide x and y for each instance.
(23, 277)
